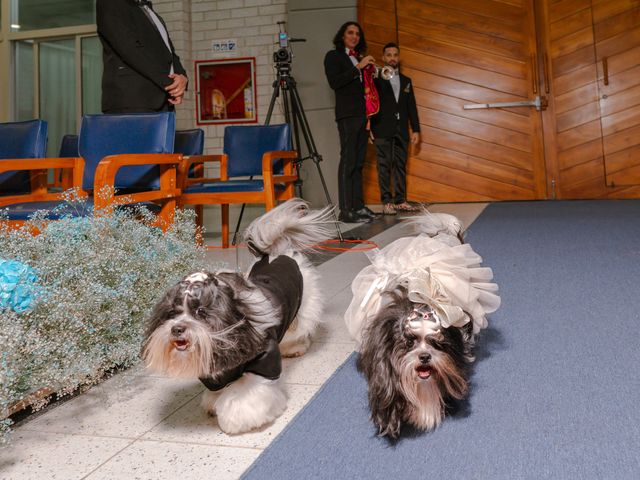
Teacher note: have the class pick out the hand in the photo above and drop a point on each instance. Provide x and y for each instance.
(176, 100)
(415, 138)
(178, 86)
(368, 60)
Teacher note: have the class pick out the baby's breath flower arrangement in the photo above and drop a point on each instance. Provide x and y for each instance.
(76, 296)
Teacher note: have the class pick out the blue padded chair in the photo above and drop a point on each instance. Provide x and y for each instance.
(69, 147)
(21, 140)
(189, 142)
(127, 159)
(262, 153)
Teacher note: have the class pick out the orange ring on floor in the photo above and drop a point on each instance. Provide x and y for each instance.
(367, 245)
(230, 247)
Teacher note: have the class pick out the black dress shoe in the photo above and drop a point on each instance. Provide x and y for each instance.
(352, 217)
(365, 212)
(371, 212)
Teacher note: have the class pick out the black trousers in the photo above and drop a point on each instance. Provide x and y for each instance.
(392, 163)
(353, 149)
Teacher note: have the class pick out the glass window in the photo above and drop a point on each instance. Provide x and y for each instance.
(23, 80)
(58, 89)
(39, 14)
(91, 75)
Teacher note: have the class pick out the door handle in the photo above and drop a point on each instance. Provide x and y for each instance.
(605, 70)
(540, 102)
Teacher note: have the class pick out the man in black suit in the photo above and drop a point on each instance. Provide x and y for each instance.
(390, 129)
(142, 72)
(343, 68)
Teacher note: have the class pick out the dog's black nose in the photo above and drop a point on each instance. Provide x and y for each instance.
(177, 330)
(424, 357)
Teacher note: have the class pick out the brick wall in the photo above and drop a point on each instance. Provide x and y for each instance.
(194, 24)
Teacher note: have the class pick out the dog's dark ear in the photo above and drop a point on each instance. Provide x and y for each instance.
(386, 401)
(163, 309)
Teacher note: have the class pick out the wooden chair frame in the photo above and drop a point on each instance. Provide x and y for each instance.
(268, 196)
(103, 182)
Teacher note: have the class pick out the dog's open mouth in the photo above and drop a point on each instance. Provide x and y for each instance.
(181, 345)
(424, 371)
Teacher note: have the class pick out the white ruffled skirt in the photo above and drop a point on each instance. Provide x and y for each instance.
(438, 271)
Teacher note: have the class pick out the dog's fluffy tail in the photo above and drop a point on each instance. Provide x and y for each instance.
(438, 224)
(289, 226)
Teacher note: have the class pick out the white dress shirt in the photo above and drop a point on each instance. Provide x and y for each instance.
(395, 84)
(354, 60)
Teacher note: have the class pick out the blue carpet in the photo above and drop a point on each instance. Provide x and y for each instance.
(555, 387)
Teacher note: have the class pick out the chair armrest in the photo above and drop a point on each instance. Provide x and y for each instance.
(105, 176)
(109, 166)
(287, 157)
(39, 190)
(187, 161)
(40, 164)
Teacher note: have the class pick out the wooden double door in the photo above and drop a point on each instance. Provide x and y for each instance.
(569, 71)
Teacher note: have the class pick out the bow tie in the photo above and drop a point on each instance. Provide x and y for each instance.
(353, 53)
(144, 3)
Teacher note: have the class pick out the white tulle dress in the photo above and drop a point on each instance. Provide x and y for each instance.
(436, 270)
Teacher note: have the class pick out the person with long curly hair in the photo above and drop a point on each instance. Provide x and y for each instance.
(343, 67)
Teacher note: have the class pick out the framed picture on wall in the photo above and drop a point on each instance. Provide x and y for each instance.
(226, 91)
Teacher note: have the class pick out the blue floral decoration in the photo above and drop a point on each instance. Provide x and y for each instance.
(17, 286)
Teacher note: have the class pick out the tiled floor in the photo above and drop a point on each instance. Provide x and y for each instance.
(140, 426)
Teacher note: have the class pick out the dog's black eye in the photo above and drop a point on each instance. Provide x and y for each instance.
(409, 341)
(201, 312)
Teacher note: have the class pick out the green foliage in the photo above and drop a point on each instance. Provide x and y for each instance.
(98, 278)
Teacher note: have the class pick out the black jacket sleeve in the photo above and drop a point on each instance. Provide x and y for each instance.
(117, 28)
(413, 111)
(177, 65)
(337, 75)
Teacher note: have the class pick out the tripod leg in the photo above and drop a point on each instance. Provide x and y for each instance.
(311, 147)
(291, 117)
(272, 102)
(274, 96)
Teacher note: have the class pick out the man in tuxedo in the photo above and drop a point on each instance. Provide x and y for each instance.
(142, 72)
(390, 130)
(343, 68)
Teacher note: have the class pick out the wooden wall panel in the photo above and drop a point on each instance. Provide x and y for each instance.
(593, 143)
(617, 42)
(458, 52)
(585, 145)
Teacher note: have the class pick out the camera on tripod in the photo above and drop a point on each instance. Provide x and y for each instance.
(284, 55)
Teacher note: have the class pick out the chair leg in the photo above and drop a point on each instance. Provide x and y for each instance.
(199, 216)
(225, 225)
(270, 200)
(199, 209)
(166, 215)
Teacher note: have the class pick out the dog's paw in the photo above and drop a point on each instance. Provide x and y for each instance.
(239, 420)
(295, 348)
(250, 403)
(208, 403)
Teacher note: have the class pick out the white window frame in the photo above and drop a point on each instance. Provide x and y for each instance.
(7, 37)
